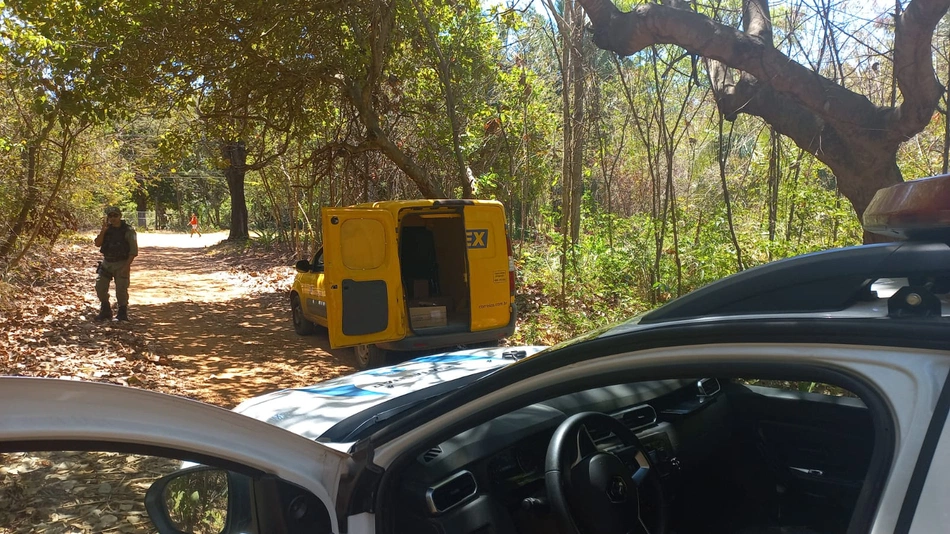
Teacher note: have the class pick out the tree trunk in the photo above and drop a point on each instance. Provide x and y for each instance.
(65, 146)
(361, 95)
(32, 188)
(578, 87)
(29, 202)
(140, 196)
(235, 152)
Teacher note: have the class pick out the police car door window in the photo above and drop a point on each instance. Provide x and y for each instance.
(94, 491)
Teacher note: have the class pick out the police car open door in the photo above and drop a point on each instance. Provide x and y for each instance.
(138, 439)
(364, 288)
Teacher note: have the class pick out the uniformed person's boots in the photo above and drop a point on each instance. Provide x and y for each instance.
(123, 314)
(105, 312)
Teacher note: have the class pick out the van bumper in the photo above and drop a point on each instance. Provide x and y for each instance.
(452, 339)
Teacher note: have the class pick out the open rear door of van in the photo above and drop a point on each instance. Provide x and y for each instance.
(487, 249)
(363, 286)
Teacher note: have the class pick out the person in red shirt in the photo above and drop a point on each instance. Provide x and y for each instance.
(194, 225)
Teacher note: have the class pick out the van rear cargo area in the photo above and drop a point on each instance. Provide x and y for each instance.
(432, 254)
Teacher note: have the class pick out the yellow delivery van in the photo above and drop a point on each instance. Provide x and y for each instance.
(402, 276)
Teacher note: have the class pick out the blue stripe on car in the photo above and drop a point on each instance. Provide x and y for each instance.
(348, 390)
(448, 358)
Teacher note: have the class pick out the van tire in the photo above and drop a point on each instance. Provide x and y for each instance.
(302, 325)
(369, 356)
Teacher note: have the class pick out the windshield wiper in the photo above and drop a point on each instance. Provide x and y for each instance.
(356, 425)
(386, 415)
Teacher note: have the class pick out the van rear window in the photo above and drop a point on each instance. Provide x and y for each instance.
(363, 244)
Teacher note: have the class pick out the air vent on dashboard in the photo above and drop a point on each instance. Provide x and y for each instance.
(451, 492)
(638, 417)
(431, 454)
(635, 418)
(708, 387)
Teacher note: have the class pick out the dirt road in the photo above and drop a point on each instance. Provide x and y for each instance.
(206, 323)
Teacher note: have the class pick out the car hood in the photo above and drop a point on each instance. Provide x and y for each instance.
(311, 411)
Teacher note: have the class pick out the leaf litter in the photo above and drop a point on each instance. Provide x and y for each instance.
(211, 324)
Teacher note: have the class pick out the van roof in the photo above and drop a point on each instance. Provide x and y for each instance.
(396, 206)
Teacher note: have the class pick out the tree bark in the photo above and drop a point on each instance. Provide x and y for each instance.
(578, 87)
(235, 152)
(140, 196)
(28, 205)
(32, 188)
(378, 139)
(570, 24)
(65, 147)
(856, 139)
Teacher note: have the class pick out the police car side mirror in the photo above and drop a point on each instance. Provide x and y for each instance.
(192, 500)
(302, 266)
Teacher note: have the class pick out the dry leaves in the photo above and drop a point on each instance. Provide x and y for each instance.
(66, 492)
(208, 323)
(48, 329)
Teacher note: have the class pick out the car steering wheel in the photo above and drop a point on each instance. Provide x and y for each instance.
(594, 492)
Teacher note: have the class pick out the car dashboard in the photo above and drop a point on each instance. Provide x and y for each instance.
(491, 478)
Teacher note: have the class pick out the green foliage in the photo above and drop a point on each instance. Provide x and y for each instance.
(197, 501)
(266, 236)
(609, 284)
(130, 103)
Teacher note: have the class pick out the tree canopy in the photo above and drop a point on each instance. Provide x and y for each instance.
(643, 151)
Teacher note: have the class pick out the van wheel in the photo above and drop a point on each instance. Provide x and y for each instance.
(369, 356)
(302, 325)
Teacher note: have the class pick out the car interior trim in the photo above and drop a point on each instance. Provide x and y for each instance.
(460, 493)
(929, 446)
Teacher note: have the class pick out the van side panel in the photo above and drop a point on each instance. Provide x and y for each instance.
(487, 251)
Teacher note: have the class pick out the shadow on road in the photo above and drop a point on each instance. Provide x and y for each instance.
(227, 333)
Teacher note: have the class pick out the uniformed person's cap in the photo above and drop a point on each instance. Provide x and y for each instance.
(112, 209)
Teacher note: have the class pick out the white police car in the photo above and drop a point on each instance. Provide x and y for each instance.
(806, 395)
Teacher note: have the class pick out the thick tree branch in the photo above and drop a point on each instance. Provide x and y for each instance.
(914, 68)
(855, 138)
(361, 93)
(375, 136)
(788, 118)
(648, 24)
(757, 20)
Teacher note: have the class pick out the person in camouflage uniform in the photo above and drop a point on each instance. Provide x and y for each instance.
(118, 244)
